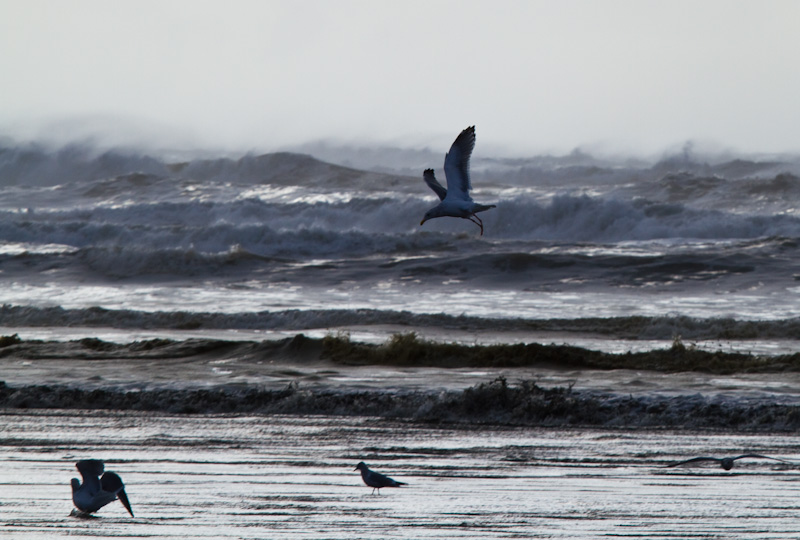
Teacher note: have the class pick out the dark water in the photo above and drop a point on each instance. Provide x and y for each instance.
(292, 477)
(617, 256)
(284, 242)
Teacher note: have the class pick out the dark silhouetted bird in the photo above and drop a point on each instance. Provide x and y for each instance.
(97, 491)
(376, 480)
(726, 462)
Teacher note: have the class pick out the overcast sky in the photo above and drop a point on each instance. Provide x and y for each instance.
(533, 76)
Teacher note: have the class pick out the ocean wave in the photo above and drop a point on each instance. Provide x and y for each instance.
(285, 192)
(35, 165)
(259, 225)
(496, 402)
(631, 328)
(770, 193)
(264, 229)
(592, 219)
(421, 266)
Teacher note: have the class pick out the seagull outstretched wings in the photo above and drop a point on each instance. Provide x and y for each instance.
(456, 200)
(97, 491)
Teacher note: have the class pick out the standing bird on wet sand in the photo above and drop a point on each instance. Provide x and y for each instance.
(726, 462)
(376, 480)
(97, 491)
(455, 200)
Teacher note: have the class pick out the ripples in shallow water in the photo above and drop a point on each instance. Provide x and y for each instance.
(292, 477)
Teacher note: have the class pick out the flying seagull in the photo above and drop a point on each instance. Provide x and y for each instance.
(97, 491)
(376, 480)
(455, 200)
(726, 462)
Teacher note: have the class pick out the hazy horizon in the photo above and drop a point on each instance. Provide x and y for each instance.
(618, 77)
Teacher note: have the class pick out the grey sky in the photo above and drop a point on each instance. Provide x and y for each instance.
(533, 76)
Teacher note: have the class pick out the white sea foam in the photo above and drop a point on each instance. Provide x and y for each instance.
(569, 239)
(387, 222)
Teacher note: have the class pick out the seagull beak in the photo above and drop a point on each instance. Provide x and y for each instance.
(422, 222)
(123, 498)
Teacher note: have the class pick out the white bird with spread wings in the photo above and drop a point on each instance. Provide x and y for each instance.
(455, 200)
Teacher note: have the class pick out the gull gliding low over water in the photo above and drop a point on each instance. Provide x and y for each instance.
(455, 200)
(376, 480)
(726, 462)
(97, 491)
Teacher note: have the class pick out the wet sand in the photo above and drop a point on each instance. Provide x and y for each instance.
(218, 476)
(487, 452)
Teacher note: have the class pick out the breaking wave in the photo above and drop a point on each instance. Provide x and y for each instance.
(202, 231)
(381, 225)
(497, 402)
(643, 328)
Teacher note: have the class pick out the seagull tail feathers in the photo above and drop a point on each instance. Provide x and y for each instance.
(123, 498)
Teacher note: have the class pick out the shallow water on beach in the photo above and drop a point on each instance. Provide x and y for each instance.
(292, 477)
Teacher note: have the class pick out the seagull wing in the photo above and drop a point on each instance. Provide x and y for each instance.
(90, 470)
(456, 165)
(123, 498)
(112, 483)
(694, 460)
(434, 184)
(381, 480)
(757, 456)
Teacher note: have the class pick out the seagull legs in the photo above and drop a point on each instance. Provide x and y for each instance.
(479, 223)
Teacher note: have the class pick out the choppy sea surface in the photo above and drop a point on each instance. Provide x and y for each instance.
(284, 242)
(138, 279)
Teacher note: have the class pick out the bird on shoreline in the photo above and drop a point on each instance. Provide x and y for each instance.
(455, 200)
(726, 462)
(97, 491)
(376, 480)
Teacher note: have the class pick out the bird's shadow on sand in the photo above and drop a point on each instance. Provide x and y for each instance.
(82, 515)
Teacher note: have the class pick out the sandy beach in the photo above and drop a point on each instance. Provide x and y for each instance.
(244, 476)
